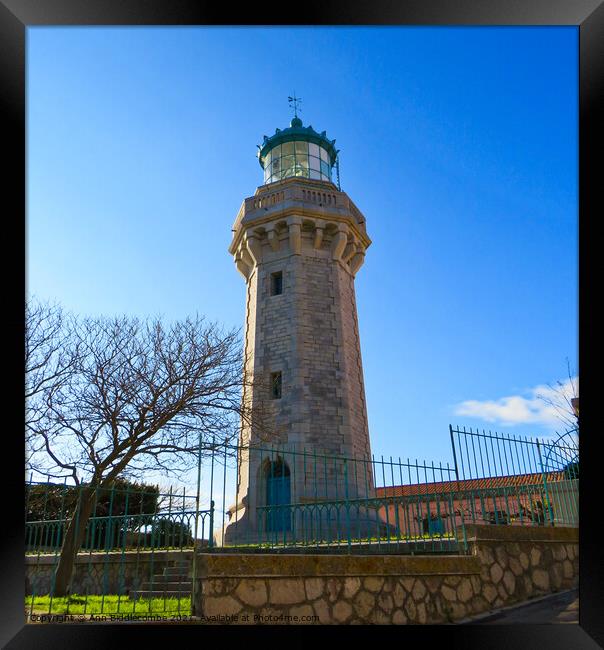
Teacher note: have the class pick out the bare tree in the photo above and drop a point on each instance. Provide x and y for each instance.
(142, 396)
(49, 359)
(563, 398)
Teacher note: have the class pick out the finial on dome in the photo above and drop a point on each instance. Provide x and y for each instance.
(296, 122)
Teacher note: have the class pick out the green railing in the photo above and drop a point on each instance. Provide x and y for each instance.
(136, 561)
(138, 554)
(131, 532)
(296, 498)
(376, 525)
(515, 479)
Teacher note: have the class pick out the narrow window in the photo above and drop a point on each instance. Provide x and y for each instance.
(276, 283)
(276, 385)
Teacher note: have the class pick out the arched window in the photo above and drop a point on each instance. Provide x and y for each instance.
(278, 496)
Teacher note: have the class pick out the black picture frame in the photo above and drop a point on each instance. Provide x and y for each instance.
(15, 17)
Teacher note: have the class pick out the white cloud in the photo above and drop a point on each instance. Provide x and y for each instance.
(544, 405)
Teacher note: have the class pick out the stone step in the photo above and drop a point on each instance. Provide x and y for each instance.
(176, 571)
(159, 594)
(173, 577)
(166, 586)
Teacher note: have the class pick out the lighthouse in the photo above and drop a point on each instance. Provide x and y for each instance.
(299, 243)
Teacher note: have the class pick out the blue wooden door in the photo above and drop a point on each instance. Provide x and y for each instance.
(277, 493)
(436, 526)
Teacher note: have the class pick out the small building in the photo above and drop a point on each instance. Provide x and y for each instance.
(439, 508)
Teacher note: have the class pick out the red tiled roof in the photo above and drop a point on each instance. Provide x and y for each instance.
(492, 482)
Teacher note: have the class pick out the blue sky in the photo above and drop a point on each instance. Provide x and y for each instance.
(458, 144)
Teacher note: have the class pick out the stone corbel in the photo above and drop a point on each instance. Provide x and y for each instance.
(318, 237)
(357, 261)
(254, 246)
(273, 240)
(295, 235)
(242, 267)
(246, 257)
(338, 243)
(349, 251)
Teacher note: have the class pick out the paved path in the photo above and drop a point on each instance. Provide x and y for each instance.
(557, 608)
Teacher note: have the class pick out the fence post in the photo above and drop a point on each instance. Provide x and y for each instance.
(454, 455)
(547, 503)
(212, 481)
(211, 533)
(460, 500)
(346, 496)
(196, 529)
(223, 508)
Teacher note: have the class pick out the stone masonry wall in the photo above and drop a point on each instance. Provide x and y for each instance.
(309, 333)
(354, 417)
(506, 565)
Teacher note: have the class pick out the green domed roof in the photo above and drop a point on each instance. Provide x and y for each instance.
(296, 131)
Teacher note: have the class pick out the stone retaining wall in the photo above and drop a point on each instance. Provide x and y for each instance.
(506, 565)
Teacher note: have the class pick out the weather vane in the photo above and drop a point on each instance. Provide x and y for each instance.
(295, 102)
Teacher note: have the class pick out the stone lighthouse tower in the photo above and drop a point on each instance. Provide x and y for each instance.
(298, 243)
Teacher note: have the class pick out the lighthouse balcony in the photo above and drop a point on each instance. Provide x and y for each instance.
(298, 196)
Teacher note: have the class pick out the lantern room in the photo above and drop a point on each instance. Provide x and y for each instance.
(297, 151)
